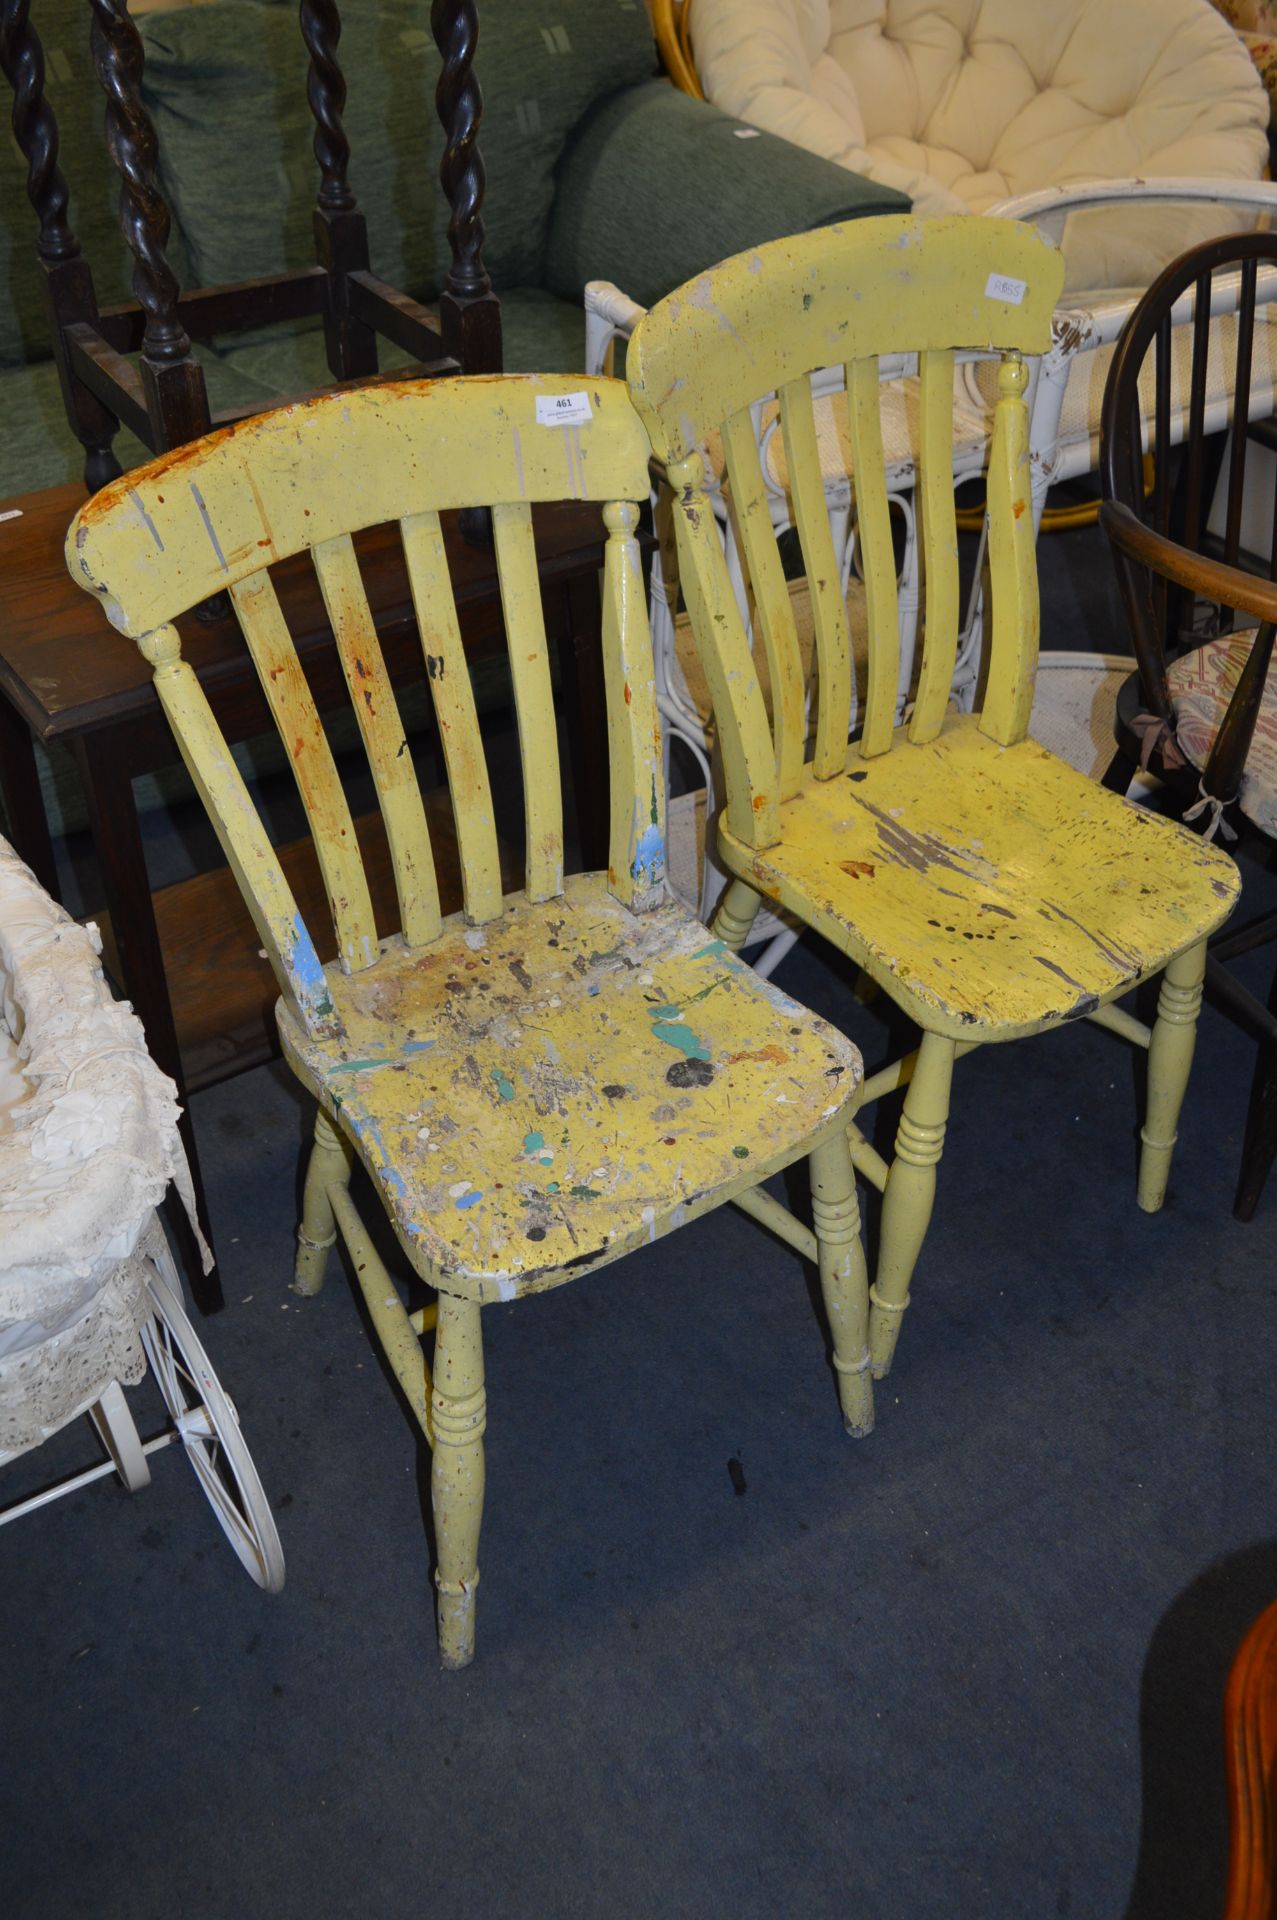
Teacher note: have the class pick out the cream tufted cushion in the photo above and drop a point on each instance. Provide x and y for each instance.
(962, 103)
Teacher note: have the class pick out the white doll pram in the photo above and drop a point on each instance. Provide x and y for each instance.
(88, 1290)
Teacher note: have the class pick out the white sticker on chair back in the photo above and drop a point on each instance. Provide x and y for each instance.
(563, 409)
(1001, 286)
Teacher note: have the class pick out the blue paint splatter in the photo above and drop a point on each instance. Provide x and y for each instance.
(649, 857)
(310, 975)
(470, 1199)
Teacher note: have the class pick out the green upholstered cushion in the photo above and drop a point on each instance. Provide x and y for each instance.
(540, 334)
(657, 186)
(37, 446)
(226, 84)
(72, 90)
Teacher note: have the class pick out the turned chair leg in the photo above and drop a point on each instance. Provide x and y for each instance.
(844, 1278)
(459, 1415)
(329, 1166)
(736, 914)
(909, 1194)
(1170, 1055)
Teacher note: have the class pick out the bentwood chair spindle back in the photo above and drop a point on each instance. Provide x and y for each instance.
(549, 1079)
(1196, 561)
(986, 886)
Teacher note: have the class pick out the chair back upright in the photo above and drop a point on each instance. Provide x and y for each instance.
(219, 514)
(766, 321)
(1197, 356)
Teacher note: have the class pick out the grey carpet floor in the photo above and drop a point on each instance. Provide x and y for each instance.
(730, 1662)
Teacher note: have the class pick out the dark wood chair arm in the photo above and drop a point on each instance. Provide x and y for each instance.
(1244, 592)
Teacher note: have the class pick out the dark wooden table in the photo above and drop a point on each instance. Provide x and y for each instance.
(65, 675)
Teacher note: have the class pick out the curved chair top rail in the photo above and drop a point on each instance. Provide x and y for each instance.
(161, 539)
(1195, 288)
(217, 514)
(841, 293)
(1043, 202)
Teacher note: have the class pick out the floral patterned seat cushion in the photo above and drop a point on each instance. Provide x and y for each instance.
(1255, 22)
(1201, 685)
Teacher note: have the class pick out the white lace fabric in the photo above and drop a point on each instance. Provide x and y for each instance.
(85, 1158)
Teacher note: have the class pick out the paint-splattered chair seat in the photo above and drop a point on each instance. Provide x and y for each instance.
(994, 889)
(544, 1093)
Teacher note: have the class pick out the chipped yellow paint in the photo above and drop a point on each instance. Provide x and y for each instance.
(939, 545)
(878, 564)
(636, 847)
(1014, 616)
(566, 1086)
(243, 839)
(458, 721)
(382, 732)
(769, 593)
(983, 884)
(295, 715)
(828, 608)
(534, 698)
(545, 1081)
(992, 891)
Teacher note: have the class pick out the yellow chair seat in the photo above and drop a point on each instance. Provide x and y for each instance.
(616, 1070)
(914, 858)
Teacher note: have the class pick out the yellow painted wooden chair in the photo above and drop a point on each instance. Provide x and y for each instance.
(545, 1081)
(990, 889)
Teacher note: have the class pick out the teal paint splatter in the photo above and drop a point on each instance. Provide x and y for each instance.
(532, 1142)
(712, 952)
(505, 1087)
(668, 1026)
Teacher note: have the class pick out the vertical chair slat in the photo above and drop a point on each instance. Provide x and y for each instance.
(458, 722)
(773, 609)
(1163, 383)
(1241, 410)
(533, 696)
(1013, 655)
(297, 718)
(753, 810)
(877, 555)
(249, 853)
(381, 729)
(1193, 502)
(939, 545)
(636, 843)
(829, 609)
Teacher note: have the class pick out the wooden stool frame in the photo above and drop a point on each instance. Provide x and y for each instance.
(163, 398)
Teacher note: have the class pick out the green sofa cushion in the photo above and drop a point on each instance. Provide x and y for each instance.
(37, 446)
(616, 216)
(226, 85)
(72, 90)
(540, 334)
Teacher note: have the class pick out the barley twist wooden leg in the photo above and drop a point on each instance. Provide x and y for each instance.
(459, 1410)
(844, 1279)
(909, 1193)
(329, 1166)
(736, 915)
(1170, 1055)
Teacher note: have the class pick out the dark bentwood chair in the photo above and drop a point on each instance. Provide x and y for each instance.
(1202, 605)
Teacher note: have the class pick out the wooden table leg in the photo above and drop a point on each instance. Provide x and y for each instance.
(581, 667)
(23, 800)
(117, 839)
